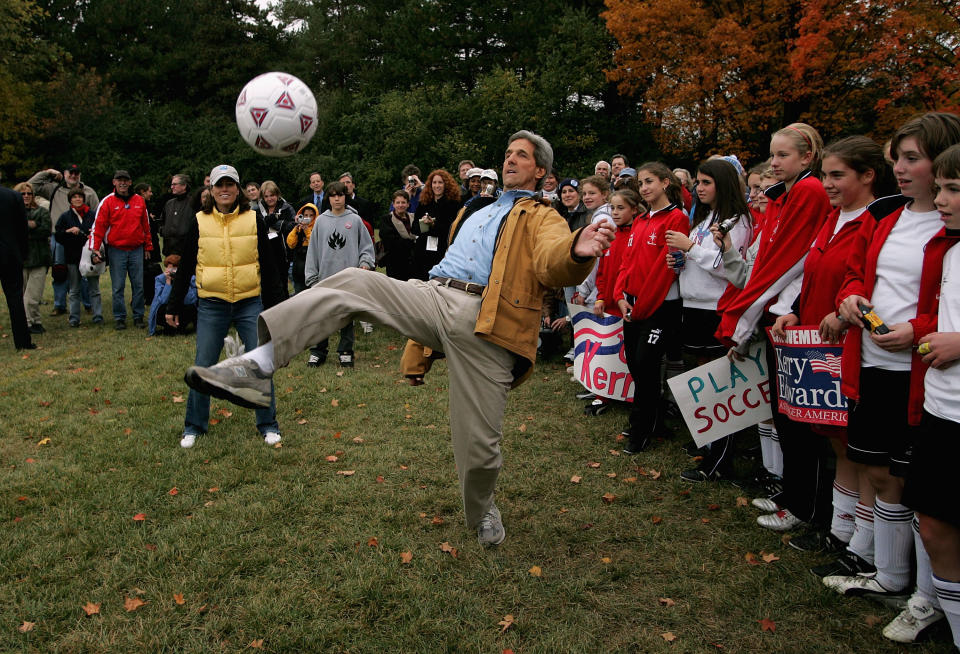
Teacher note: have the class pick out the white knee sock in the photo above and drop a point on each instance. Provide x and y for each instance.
(844, 507)
(948, 592)
(893, 544)
(862, 542)
(263, 356)
(924, 573)
(776, 454)
(763, 430)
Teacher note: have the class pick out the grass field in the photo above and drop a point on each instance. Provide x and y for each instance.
(242, 546)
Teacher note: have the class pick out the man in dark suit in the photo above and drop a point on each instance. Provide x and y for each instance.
(316, 192)
(13, 249)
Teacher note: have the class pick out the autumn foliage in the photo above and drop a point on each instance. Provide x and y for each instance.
(720, 76)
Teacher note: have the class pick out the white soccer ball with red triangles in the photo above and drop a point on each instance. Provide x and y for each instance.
(276, 114)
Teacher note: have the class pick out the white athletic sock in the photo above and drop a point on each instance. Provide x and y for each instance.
(893, 544)
(948, 592)
(862, 542)
(924, 572)
(263, 356)
(763, 429)
(844, 507)
(776, 454)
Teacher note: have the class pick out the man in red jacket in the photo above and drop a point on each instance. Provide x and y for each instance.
(123, 223)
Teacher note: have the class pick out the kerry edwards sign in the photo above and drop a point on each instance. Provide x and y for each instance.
(808, 377)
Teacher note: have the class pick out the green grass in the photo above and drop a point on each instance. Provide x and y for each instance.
(282, 551)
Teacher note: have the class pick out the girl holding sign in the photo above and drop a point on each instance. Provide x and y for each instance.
(893, 263)
(720, 201)
(648, 296)
(854, 174)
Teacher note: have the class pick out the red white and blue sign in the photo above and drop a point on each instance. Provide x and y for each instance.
(808, 377)
(599, 363)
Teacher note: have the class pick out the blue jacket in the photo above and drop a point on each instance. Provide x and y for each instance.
(161, 293)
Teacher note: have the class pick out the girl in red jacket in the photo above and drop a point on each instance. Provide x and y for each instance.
(624, 208)
(648, 296)
(883, 379)
(855, 173)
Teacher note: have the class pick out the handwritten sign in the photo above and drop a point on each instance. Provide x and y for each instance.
(808, 377)
(599, 363)
(724, 396)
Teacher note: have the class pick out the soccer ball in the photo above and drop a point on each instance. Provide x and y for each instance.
(276, 114)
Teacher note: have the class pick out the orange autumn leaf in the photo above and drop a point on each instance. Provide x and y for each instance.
(575, 479)
(769, 557)
(506, 623)
(302, 421)
(140, 517)
(214, 421)
(91, 609)
(713, 507)
(26, 626)
(872, 620)
(629, 480)
(654, 474)
(522, 428)
(766, 624)
(224, 412)
(705, 520)
(666, 601)
(668, 636)
(256, 644)
(356, 439)
(178, 598)
(373, 542)
(127, 431)
(450, 549)
(536, 571)
(406, 557)
(605, 559)
(29, 460)
(334, 402)
(608, 498)
(656, 520)
(742, 501)
(173, 491)
(346, 473)
(751, 558)
(437, 520)
(611, 475)
(332, 458)
(593, 464)
(133, 603)
(614, 452)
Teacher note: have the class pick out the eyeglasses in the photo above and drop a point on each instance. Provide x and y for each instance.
(26, 193)
(177, 184)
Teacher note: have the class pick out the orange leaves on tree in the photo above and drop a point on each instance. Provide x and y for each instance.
(91, 609)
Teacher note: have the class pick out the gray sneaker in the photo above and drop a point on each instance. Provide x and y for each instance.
(490, 531)
(237, 379)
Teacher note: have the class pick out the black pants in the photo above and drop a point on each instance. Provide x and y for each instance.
(644, 343)
(807, 483)
(11, 279)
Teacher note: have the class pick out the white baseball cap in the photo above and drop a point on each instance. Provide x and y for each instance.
(489, 173)
(223, 170)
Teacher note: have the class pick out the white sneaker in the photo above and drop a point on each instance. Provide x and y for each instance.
(188, 440)
(862, 584)
(367, 327)
(765, 504)
(490, 531)
(919, 614)
(271, 438)
(782, 520)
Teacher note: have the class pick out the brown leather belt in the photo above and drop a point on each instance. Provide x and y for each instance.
(466, 287)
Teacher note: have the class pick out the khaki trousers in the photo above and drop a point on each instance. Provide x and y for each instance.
(439, 317)
(33, 279)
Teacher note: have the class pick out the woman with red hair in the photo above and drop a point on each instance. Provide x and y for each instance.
(439, 204)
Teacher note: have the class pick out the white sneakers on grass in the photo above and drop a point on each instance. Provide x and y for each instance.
(270, 438)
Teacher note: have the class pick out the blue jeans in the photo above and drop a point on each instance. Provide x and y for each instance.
(75, 280)
(214, 318)
(60, 288)
(123, 264)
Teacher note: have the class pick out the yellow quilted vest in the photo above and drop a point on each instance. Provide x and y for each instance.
(228, 265)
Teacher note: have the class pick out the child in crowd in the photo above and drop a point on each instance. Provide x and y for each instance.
(338, 241)
(162, 287)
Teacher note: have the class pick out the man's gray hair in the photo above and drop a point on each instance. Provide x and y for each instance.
(542, 151)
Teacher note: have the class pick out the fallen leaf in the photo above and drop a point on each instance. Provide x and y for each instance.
(766, 624)
(133, 603)
(406, 557)
(536, 571)
(450, 549)
(302, 421)
(213, 489)
(373, 542)
(346, 473)
(593, 464)
(506, 623)
(656, 520)
(22, 498)
(44, 441)
(612, 475)
(562, 511)
(339, 373)
(214, 421)
(45, 403)
(356, 439)
(629, 480)
(751, 558)
(26, 626)
(608, 498)
(178, 598)
(666, 601)
(522, 427)
(334, 402)
(277, 446)
(257, 644)
(173, 491)
(151, 547)
(872, 620)
(29, 460)
(224, 412)
(403, 467)
(127, 431)
(713, 507)
(91, 609)
(209, 503)
(742, 501)
(575, 479)
(769, 557)
(705, 520)
(177, 399)
(654, 474)
(668, 636)
(437, 520)
(605, 559)
(332, 459)
(140, 517)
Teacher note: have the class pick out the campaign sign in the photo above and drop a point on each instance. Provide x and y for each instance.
(599, 363)
(724, 396)
(808, 377)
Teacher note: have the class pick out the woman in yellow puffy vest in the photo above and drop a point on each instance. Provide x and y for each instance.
(227, 247)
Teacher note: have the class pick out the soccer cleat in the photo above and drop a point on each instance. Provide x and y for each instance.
(865, 585)
(346, 360)
(636, 445)
(271, 438)
(698, 474)
(765, 504)
(585, 395)
(237, 379)
(315, 361)
(919, 614)
(847, 564)
(817, 541)
(782, 520)
(490, 531)
(367, 327)
(188, 440)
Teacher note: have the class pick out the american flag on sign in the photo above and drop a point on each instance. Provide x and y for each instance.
(820, 362)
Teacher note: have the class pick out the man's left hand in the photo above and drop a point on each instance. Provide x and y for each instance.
(594, 240)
